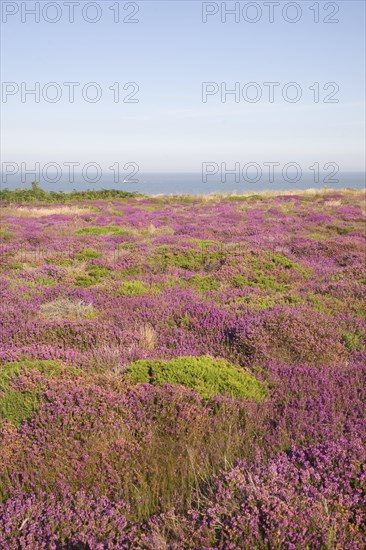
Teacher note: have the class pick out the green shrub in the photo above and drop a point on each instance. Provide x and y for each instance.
(5, 234)
(130, 271)
(97, 271)
(206, 375)
(267, 283)
(351, 340)
(127, 246)
(168, 257)
(189, 259)
(88, 254)
(340, 230)
(317, 237)
(207, 243)
(118, 213)
(132, 288)
(46, 281)
(204, 283)
(103, 230)
(317, 301)
(16, 405)
(16, 266)
(36, 194)
(278, 259)
(95, 274)
(285, 262)
(240, 281)
(84, 281)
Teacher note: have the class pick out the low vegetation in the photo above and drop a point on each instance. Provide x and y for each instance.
(188, 374)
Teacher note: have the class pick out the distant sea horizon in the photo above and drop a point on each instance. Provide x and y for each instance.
(173, 183)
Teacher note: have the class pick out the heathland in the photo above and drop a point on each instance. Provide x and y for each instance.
(182, 372)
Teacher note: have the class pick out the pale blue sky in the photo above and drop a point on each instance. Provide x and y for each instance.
(169, 53)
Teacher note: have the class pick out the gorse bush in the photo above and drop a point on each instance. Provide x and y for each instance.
(206, 375)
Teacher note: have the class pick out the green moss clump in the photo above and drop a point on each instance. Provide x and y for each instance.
(16, 405)
(206, 375)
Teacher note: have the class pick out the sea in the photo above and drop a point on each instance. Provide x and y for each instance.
(173, 183)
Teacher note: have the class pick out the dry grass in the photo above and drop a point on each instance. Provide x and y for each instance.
(42, 211)
(153, 230)
(267, 194)
(107, 359)
(333, 203)
(64, 309)
(147, 337)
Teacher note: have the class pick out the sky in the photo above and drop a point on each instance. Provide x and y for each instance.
(168, 53)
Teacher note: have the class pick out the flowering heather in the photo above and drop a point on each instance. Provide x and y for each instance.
(183, 372)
